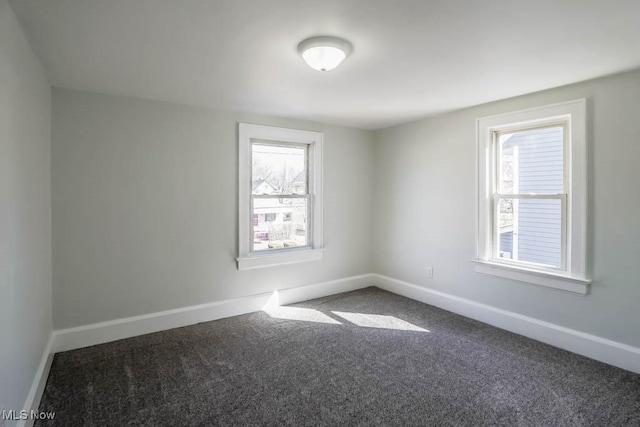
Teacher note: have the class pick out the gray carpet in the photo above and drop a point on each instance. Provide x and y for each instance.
(403, 363)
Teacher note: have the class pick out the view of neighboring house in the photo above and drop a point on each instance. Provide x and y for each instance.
(530, 229)
(279, 222)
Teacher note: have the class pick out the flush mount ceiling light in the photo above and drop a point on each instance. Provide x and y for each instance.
(324, 53)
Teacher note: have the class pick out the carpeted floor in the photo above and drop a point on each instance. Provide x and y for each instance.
(367, 357)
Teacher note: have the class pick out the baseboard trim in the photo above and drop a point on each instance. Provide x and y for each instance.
(614, 353)
(103, 332)
(32, 402)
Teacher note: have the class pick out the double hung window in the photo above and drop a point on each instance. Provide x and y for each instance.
(280, 200)
(532, 196)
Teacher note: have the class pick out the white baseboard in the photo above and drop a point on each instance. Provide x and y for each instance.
(601, 349)
(39, 381)
(98, 333)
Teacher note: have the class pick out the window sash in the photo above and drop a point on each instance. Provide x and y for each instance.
(306, 195)
(497, 196)
(495, 231)
(307, 159)
(308, 233)
(497, 161)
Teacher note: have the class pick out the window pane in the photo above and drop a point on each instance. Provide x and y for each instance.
(532, 161)
(282, 223)
(530, 230)
(278, 169)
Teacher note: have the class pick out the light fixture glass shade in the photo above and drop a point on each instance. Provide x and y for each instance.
(324, 53)
(323, 58)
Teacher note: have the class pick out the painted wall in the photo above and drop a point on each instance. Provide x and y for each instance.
(25, 212)
(145, 207)
(424, 210)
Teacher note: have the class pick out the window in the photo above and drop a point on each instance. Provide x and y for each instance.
(532, 196)
(280, 200)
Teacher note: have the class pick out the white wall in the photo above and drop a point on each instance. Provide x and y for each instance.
(25, 212)
(424, 208)
(146, 201)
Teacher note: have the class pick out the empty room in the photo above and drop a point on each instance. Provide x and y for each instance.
(292, 212)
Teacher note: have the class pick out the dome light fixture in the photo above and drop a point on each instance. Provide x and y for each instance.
(324, 53)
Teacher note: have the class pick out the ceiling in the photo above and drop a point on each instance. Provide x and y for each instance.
(411, 59)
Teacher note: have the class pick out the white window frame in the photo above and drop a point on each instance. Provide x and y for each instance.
(314, 250)
(573, 274)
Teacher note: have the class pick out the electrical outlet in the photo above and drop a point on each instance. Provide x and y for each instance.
(430, 272)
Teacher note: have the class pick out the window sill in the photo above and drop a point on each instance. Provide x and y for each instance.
(279, 258)
(556, 281)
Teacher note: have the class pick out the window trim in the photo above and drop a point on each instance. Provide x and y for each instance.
(574, 278)
(314, 251)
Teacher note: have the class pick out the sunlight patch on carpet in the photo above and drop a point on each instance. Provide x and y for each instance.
(379, 321)
(302, 314)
